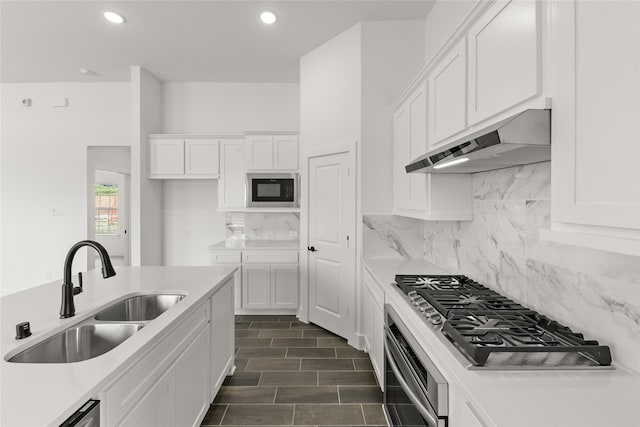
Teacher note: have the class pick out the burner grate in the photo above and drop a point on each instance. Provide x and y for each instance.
(447, 303)
(480, 333)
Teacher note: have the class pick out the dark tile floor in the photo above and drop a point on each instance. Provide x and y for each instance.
(292, 373)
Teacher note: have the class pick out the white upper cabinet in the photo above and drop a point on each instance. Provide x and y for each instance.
(201, 157)
(285, 152)
(448, 95)
(410, 128)
(259, 152)
(268, 152)
(418, 195)
(504, 58)
(596, 127)
(166, 157)
(183, 158)
(231, 187)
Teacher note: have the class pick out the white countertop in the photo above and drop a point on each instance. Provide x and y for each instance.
(289, 245)
(46, 394)
(518, 398)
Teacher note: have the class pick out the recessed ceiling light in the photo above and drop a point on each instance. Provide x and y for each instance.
(113, 17)
(268, 17)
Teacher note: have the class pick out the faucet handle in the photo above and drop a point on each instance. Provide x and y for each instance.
(78, 289)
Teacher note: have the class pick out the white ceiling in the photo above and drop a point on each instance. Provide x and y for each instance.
(224, 41)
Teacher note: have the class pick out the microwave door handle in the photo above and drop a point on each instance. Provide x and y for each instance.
(423, 410)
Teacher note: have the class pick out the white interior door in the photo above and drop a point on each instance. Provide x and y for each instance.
(331, 241)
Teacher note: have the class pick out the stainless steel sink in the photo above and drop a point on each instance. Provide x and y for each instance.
(78, 343)
(140, 308)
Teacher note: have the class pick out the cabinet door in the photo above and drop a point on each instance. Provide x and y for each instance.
(285, 152)
(193, 381)
(596, 133)
(166, 157)
(201, 157)
(377, 342)
(256, 286)
(402, 181)
(157, 407)
(504, 58)
(417, 104)
(448, 95)
(222, 335)
(232, 175)
(260, 152)
(284, 286)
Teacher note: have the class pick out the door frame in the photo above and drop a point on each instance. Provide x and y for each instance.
(109, 158)
(303, 309)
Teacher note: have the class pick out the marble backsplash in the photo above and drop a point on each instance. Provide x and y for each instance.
(389, 236)
(595, 292)
(591, 291)
(262, 225)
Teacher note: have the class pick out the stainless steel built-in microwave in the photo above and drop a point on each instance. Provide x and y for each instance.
(272, 190)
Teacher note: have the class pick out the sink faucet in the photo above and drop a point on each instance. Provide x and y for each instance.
(67, 308)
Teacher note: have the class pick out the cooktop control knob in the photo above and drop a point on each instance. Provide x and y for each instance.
(436, 319)
(423, 306)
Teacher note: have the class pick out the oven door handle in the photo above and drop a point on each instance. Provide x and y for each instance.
(424, 411)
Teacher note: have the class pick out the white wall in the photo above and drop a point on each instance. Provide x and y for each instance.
(146, 194)
(44, 152)
(392, 55)
(330, 91)
(211, 107)
(444, 18)
(191, 222)
(190, 217)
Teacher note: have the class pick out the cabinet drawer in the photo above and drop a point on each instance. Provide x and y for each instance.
(135, 382)
(270, 257)
(224, 257)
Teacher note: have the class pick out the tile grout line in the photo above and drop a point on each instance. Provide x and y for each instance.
(224, 414)
(293, 416)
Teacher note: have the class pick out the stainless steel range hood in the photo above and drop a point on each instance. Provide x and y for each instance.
(519, 140)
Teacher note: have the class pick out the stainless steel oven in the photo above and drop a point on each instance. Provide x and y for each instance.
(415, 392)
(272, 190)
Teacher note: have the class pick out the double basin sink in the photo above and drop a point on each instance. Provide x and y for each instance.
(101, 333)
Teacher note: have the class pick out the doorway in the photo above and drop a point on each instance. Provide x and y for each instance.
(331, 251)
(108, 202)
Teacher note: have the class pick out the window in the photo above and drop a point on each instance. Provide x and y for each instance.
(106, 204)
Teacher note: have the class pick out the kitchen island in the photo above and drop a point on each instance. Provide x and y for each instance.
(42, 394)
(508, 397)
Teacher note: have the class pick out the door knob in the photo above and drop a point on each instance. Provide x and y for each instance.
(312, 249)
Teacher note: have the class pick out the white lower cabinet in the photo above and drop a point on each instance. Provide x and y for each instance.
(267, 279)
(373, 324)
(222, 334)
(256, 286)
(270, 286)
(157, 407)
(284, 286)
(174, 382)
(192, 381)
(181, 396)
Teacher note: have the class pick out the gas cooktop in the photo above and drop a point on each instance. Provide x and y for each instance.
(491, 330)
